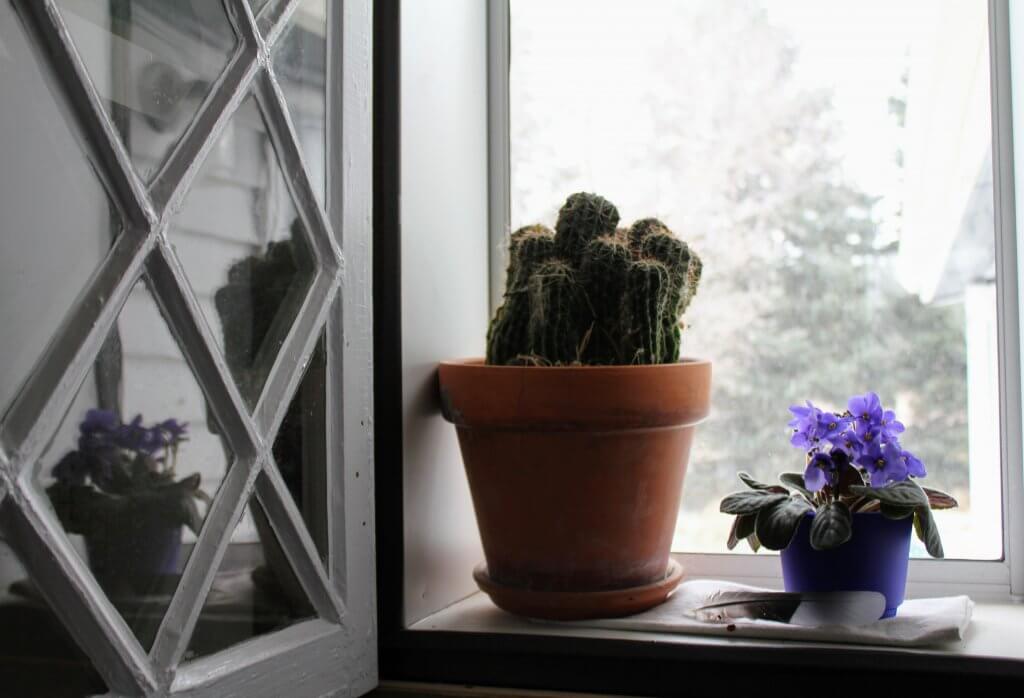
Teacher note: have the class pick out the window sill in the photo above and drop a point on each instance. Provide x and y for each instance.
(992, 645)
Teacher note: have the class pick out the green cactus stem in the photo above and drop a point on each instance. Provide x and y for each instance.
(556, 308)
(593, 293)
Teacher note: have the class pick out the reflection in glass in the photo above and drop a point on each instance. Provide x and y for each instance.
(153, 62)
(57, 221)
(300, 449)
(836, 181)
(300, 64)
(243, 248)
(257, 5)
(254, 592)
(131, 467)
(38, 657)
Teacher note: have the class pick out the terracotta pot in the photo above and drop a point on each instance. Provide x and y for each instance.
(576, 472)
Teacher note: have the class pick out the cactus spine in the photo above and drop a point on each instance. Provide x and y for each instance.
(590, 293)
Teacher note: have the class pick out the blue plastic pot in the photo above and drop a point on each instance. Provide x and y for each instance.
(874, 559)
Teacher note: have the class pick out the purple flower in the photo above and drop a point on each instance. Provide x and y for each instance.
(172, 431)
(891, 427)
(821, 470)
(914, 466)
(135, 437)
(883, 463)
(866, 410)
(832, 427)
(97, 421)
(805, 425)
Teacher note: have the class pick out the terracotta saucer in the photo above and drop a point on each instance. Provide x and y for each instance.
(578, 605)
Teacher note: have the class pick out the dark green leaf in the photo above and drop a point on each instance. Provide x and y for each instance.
(848, 478)
(742, 526)
(749, 502)
(753, 542)
(190, 515)
(776, 525)
(906, 493)
(939, 499)
(928, 532)
(894, 511)
(832, 526)
(796, 482)
(755, 485)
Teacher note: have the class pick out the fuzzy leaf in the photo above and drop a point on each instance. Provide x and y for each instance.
(750, 501)
(796, 482)
(928, 532)
(832, 526)
(906, 493)
(753, 542)
(940, 500)
(849, 478)
(894, 511)
(742, 526)
(190, 515)
(776, 525)
(755, 485)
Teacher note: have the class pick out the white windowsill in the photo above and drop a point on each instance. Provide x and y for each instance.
(994, 634)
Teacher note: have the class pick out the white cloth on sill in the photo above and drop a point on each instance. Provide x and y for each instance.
(919, 622)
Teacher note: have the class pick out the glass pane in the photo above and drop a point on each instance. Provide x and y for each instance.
(257, 5)
(38, 657)
(254, 592)
(133, 464)
(244, 249)
(153, 62)
(300, 449)
(836, 180)
(57, 222)
(300, 64)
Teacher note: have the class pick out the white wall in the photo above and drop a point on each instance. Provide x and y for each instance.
(444, 281)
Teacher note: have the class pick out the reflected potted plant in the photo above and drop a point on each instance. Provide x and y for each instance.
(118, 490)
(576, 429)
(249, 304)
(844, 523)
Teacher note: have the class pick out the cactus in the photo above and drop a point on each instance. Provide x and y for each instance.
(592, 293)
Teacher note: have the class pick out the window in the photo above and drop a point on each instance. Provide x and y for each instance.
(180, 503)
(832, 162)
(433, 158)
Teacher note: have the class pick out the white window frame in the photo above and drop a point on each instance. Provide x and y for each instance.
(982, 579)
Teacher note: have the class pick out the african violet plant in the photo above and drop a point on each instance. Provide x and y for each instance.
(855, 464)
(124, 471)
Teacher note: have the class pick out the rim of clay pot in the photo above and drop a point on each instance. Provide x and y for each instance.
(569, 398)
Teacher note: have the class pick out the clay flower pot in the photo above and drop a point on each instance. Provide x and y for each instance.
(576, 475)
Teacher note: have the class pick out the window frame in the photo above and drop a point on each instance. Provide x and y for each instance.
(983, 578)
(592, 660)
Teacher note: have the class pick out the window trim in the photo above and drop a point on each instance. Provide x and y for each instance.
(983, 578)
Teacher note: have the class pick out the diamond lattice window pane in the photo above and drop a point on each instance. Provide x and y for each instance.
(257, 5)
(254, 592)
(57, 221)
(300, 449)
(132, 466)
(300, 64)
(244, 248)
(153, 62)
